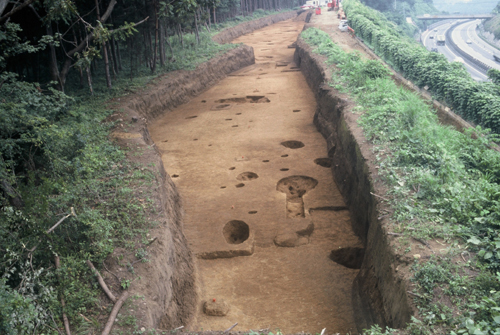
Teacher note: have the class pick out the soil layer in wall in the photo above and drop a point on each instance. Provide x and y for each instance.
(379, 291)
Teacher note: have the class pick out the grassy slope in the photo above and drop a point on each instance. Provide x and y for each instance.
(443, 185)
(493, 26)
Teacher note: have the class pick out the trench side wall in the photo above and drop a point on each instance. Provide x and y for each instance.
(178, 87)
(379, 294)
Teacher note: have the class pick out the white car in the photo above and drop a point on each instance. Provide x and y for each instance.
(306, 6)
(468, 42)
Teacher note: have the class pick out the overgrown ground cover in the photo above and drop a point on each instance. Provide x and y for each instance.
(56, 159)
(443, 185)
(478, 102)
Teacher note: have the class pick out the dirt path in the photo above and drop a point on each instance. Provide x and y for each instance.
(244, 157)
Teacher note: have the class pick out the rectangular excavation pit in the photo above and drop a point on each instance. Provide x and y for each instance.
(299, 276)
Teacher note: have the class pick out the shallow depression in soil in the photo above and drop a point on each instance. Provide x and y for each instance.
(284, 212)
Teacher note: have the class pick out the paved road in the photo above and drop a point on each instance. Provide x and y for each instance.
(478, 48)
(429, 41)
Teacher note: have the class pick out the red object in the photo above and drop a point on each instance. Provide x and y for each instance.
(329, 4)
(214, 299)
(318, 11)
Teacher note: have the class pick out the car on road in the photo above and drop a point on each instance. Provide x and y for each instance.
(468, 42)
(434, 49)
(435, 30)
(459, 60)
(496, 58)
(431, 37)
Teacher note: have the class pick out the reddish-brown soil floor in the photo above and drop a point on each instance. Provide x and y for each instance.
(244, 157)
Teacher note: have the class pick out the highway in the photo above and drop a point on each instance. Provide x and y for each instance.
(461, 34)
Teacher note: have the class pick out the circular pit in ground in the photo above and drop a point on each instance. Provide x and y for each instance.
(236, 232)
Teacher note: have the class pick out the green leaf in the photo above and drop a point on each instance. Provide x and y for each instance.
(474, 240)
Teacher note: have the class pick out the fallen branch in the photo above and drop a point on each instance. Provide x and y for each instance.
(63, 303)
(415, 295)
(379, 196)
(230, 328)
(395, 234)
(114, 313)
(60, 221)
(424, 243)
(101, 282)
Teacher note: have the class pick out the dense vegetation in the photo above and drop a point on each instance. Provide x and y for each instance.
(444, 185)
(399, 11)
(478, 102)
(493, 25)
(60, 62)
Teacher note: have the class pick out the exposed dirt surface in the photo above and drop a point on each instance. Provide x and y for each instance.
(259, 122)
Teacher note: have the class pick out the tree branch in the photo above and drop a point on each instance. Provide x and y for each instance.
(15, 10)
(3, 4)
(60, 221)
(101, 282)
(108, 11)
(63, 303)
(114, 313)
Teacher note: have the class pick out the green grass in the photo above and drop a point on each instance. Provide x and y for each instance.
(443, 184)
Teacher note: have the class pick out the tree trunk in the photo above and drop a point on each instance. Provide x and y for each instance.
(104, 50)
(196, 31)
(153, 68)
(89, 80)
(209, 17)
(118, 54)
(131, 53)
(113, 55)
(54, 69)
(180, 35)
(162, 44)
(151, 50)
(168, 43)
(106, 65)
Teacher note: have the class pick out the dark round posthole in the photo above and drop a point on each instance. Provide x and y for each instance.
(236, 232)
(292, 144)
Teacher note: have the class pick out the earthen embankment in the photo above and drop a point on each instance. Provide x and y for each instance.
(379, 291)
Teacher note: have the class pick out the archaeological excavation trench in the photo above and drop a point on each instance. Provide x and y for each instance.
(273, 239)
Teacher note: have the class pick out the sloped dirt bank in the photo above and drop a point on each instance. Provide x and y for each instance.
(178, 87)
(379, 291)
